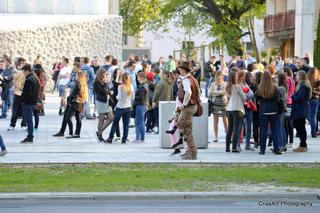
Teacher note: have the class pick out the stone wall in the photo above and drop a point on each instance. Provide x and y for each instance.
(97, 36)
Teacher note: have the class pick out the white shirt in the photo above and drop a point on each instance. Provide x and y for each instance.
(187, 88)
(65, 75)
(137, 68)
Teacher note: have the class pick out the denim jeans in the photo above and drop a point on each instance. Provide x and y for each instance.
(125, 115)
(248, 125)
(314, 104)
(235, 119)
(208, 83)
(27, 115)
(274, 121)
(89, 102)
(2, 146)
(139, 122)
(6, 102)
(282, 132)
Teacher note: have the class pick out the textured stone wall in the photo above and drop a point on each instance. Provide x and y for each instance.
(96, 37)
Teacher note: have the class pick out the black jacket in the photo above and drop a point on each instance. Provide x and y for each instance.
(141, 95)
(102, 91)
(30, 92)
(74, 93)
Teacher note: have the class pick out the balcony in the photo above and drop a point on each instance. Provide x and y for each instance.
(279, 22)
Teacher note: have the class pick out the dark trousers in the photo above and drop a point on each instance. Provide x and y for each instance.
(125, 115)
(300, 125)
(27, 115)
(16, 111)
(117, 125)
(235, 119)
(256, 126)
(67, 119)
(150, 120)
(274, 121)
(156, 116)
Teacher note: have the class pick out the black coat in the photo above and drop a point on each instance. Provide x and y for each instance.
(102, 91)
(74, 93)
(30, 92)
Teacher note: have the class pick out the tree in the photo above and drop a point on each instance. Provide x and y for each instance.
(317, 47)
(221, 18)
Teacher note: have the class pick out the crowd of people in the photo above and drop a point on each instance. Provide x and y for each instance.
(263, 100)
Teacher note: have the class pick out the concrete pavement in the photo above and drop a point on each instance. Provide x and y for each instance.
(47, 149)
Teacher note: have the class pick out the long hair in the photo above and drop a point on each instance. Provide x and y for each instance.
(303, 80)
(82, 79)
(217, 75)
(231, 82)
(313, 76)
(99, 76)
(240, 74)
(267, 88)
(282, 81)
(126, 83)
(258, 78)
(288, 71)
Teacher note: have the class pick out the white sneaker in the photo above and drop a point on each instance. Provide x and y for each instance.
(289, 145)
(4, 152)
(11, 128)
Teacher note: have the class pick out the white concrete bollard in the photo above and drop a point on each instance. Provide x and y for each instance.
(200, 125)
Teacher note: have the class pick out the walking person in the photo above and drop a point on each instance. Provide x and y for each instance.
(123, 108)
(29, 100)
(141, 103)
(104, 110)
(235, 112)
(267, 97)
(219, 100)
(299, 111)
(3, 147)
(313, 77)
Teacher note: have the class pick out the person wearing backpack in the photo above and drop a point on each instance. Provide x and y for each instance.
(188, 95)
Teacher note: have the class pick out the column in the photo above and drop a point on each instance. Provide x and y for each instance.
(304, 27)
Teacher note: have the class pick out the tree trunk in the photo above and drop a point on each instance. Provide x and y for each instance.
(253, 39)
(317, 47)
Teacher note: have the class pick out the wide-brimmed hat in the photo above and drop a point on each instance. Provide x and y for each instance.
(185, 65)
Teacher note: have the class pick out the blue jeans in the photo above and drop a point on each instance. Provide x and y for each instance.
(27, 115)
(125, 115)
(3, 147)
(248, 124)
(208, 83)
(314, 104)
(89, 102)
(274, 121)
(8, 101)
(282, 132)
(139, 122)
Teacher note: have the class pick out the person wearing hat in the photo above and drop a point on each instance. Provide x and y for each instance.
(29, 99)
(187, 99)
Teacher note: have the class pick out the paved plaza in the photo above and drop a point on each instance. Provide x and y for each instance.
(47, 149)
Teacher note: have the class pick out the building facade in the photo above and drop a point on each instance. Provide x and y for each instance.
(291, 26)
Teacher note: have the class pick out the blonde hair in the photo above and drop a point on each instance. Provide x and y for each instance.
(126, 83)
(303, 80)
(83, 94)
(267, 88)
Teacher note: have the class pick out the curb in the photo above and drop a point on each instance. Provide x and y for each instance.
(159, 195)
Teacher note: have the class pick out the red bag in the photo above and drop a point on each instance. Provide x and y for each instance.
(252, 106)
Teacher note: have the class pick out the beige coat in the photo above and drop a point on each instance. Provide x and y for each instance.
(214, 92)
(163, 92)
(18, 82)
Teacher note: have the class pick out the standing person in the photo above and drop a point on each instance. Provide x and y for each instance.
(160, 64)
(197, 75)
(29, 100)
(255, 114)
(95, 64)
(7, 92)
(87, 69)
(104, 110)
(114, 65)
(235, 111)
(64, 77)
(163, 92)
(209, 70)
(219, 100)
(116, 81)
(288, 121)
(3, 147)
(299, 110)
(171, 64)
(138, 64)
(188, 97)
(267, 97)
(18, 82)
(283, 91)
(141, 104)
(132, 74)
(56, 71)
(146, 60)
(108, 60)
(123, 109)
(313, 77)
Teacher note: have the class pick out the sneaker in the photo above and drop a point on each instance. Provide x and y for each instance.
(3, 117)
(117, 139)
(248, 148)
(109, 140)
(24, 127)
(176, 151)
(300, 149)
(4, 152)
(73, 136)
(11, 128)
(26, 141)
(59, 134)
(290, 145)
